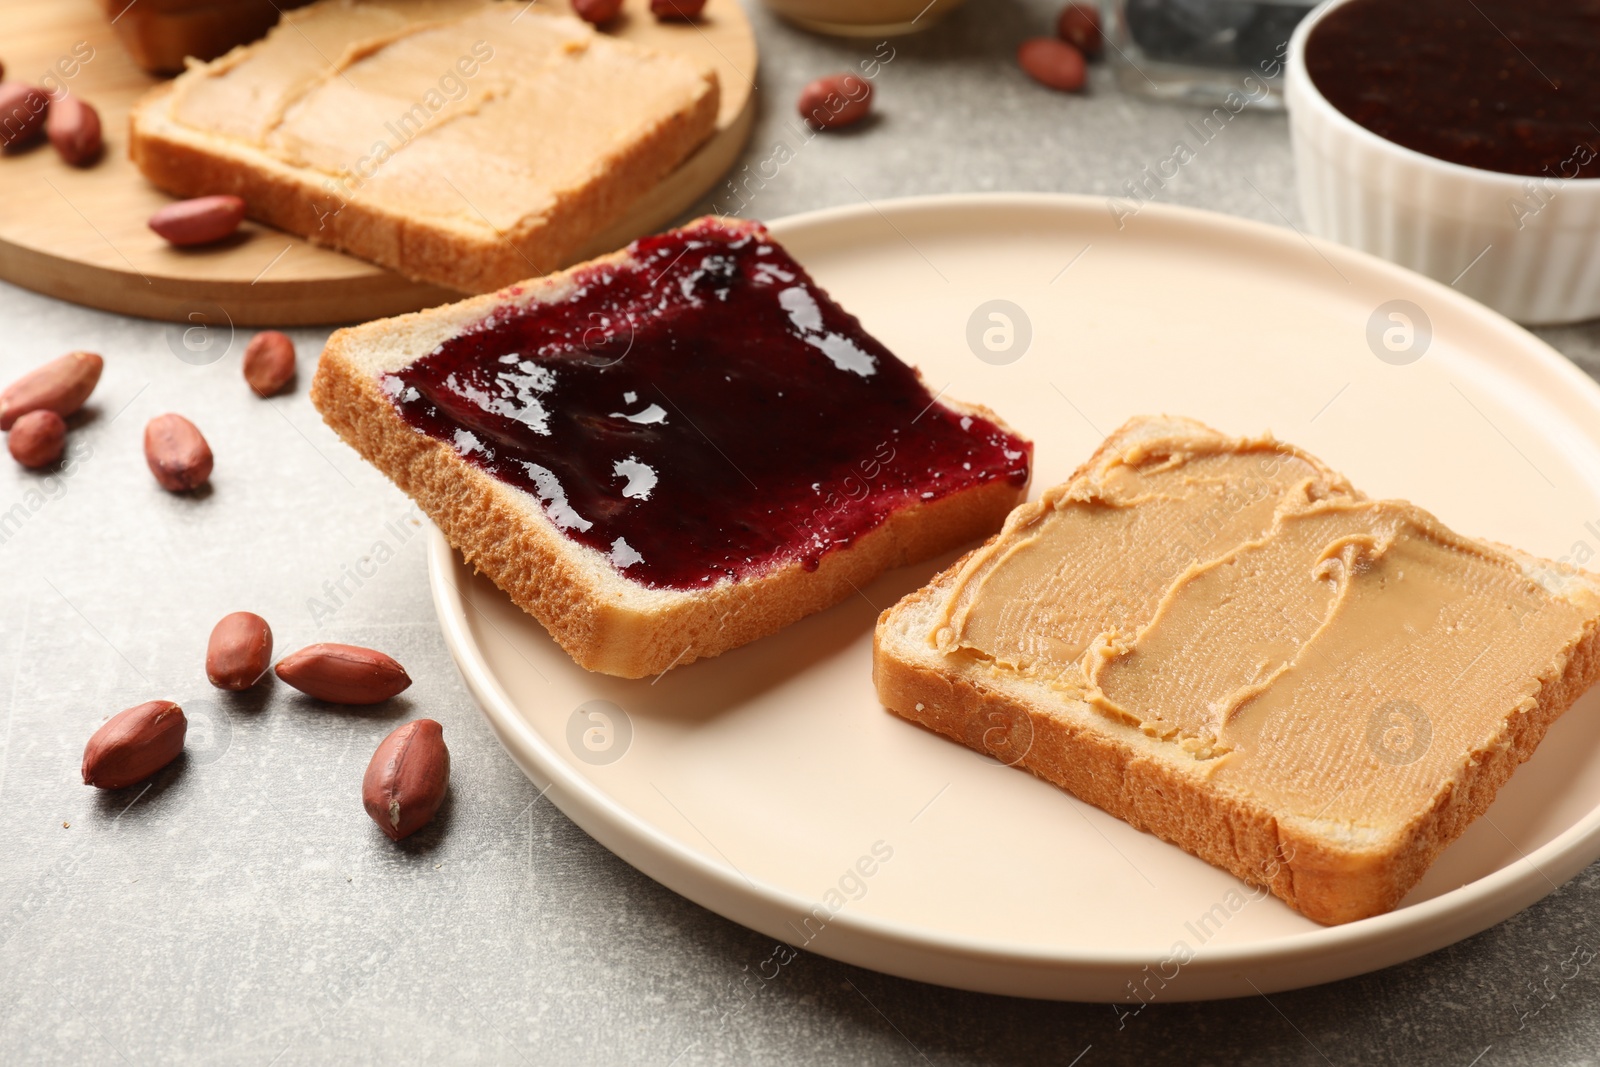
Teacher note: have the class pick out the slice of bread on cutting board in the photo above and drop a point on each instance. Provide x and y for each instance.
(1223, 643)
(467, 143)
(672, 450)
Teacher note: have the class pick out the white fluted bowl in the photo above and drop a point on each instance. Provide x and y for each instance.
(1529, 248)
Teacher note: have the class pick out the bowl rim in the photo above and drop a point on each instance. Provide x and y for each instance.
(1299, 85)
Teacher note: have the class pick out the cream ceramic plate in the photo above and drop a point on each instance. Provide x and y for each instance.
(768, 784)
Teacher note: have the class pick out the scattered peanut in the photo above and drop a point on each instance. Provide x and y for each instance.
(200, 221)
(22, 112)
(677, 10)
(177, 453)
(73, 127)
(836, 100)
(407, 779)
(596, 11)
(134, 744)
(343, 674)
(268, 362)
(37, 439)
(239, 653)
(1052, 63)
(1079, 26)
(61, 386)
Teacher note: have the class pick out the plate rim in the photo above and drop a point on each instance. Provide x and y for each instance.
(1014, 968)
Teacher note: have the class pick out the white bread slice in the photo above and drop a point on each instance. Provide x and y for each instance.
(1333, 872)
(466, 143)
(605, 621)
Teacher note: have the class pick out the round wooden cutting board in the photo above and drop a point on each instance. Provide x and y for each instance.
(81, 235)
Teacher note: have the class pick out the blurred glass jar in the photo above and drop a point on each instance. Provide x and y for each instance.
(864, 18)
(1203, 51)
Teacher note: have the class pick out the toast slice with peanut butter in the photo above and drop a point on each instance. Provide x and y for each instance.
(1220, 641)
(466, 143)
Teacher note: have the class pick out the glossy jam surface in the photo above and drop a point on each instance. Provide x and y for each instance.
(1503, 85)
(701, 411)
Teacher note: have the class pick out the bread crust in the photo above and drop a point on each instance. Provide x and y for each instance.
(1117, 768)
(604, 621)
(476, 260)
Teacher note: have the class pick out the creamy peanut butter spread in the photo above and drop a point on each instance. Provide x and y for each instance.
(1333, 657)
(458, 108)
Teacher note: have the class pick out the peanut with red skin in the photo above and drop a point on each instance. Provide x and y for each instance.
(344, 674)
(177, 453)
(73, 127)
(677, 10)
(1052, 63)
(1079, 26)
(134, 744)
(596, 11)
(37, 439)
(61, 386)
(201, 221)
(407, 779)
(836, 100)
(22, 114)
(268, 362)
(239, 653)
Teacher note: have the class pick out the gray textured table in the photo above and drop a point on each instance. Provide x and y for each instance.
(243, 910)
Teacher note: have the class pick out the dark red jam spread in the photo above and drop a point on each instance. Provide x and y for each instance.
(1503, 85)
(701, 410)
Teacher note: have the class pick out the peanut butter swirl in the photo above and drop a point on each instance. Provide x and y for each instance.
(441, 107)
(1334, 657)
